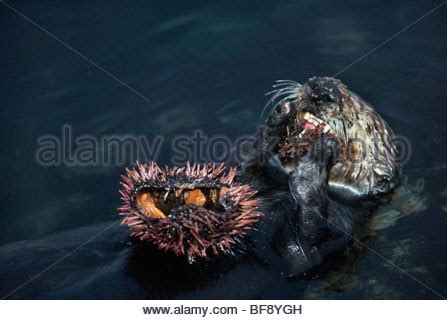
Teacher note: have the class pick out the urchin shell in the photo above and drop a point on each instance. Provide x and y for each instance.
(191, 230)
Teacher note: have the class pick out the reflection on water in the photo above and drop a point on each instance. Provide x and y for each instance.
(207, 66)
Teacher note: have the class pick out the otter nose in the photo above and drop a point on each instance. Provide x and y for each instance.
(324, 90)
(280, 114)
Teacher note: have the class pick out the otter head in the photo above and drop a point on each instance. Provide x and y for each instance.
(323, 97)
(193, 211)
(301, 114)
(324, 106)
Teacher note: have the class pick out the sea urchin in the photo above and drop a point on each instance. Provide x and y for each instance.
(192, 211)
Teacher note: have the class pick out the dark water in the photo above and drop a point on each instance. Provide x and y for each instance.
(207, 66)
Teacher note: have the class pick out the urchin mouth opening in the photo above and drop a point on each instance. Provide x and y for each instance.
(159, 203)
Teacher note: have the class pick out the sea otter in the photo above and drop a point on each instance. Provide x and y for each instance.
(367, 166)
(275, 216)
(334, 149)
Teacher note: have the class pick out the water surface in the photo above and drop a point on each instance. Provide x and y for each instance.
(207, 66)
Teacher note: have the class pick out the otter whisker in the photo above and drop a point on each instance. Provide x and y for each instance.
(282, 92)
(273, 100)
(289, 93)
(281, 89)
(285, 85)
(287, 88)
(290, 96)
(271, 92)
(290, 85)
(282, 84)
(288, 81)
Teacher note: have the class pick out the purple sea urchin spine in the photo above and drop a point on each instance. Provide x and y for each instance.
(188, 229)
